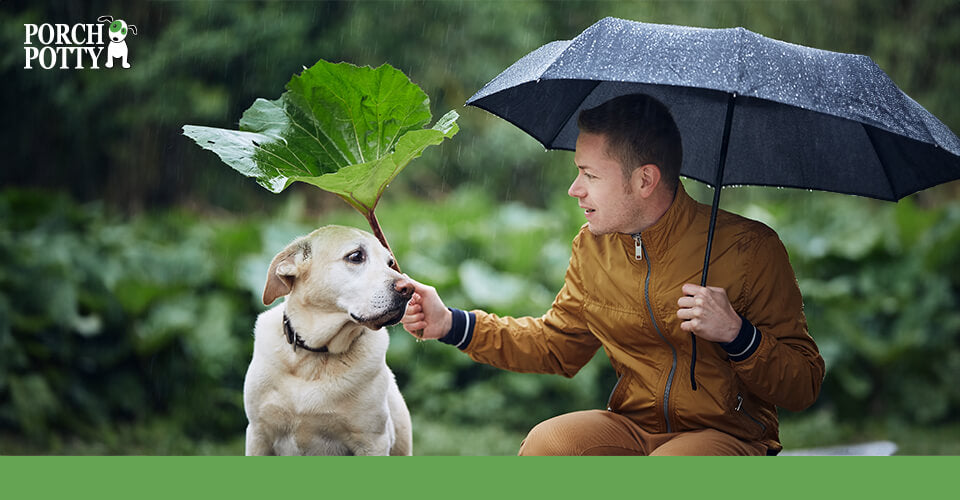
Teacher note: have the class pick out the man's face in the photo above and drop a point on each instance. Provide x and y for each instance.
(610, 204)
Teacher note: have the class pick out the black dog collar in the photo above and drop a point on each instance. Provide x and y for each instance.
(294, 339)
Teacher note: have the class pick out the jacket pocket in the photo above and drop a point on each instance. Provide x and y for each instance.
(756, 427)
(616, 395)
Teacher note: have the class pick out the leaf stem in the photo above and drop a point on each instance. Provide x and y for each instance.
(375, 226)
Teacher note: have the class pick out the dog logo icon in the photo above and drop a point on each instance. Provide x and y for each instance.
(118, 34)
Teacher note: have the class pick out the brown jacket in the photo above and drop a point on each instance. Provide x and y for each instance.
(628, 305)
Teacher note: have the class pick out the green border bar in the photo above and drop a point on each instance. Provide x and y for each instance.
(475, 477)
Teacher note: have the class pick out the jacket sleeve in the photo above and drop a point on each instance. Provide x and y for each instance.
(559, 342)
(781, 363)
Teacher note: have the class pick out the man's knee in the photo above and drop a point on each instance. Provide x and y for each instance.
(708, 442)
(591, 432)
(548, 438)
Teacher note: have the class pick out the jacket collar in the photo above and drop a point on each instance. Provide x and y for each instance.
(671, 226)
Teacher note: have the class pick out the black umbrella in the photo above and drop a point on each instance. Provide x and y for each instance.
(750, 109)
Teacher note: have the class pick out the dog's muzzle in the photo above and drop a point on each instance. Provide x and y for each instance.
(391, 317)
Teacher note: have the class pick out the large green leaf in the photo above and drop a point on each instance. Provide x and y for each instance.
(346, 129)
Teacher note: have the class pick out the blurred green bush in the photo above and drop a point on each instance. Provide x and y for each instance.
(104, 321)
(881, 285)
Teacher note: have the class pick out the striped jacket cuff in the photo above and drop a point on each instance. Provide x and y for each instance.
(746, 343)
(461, 330)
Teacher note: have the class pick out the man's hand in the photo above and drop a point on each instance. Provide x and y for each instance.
(426, 312)
(708, 313)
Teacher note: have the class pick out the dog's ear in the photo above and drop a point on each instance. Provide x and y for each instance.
(133, 29)
(105, 19)
(283, 271)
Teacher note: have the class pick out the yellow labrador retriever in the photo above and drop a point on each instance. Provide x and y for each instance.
(318, 383)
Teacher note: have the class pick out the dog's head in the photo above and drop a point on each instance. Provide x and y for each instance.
(118, 28)
(342, 269)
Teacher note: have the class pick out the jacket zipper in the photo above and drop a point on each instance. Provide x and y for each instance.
(641, 254)
(638, 254)
(763, 428)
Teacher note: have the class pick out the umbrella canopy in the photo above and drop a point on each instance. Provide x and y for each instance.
(784, 114)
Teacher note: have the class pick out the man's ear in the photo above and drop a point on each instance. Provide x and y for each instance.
(283, 272)
(645, 179)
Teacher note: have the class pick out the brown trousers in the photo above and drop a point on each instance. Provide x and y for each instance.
(598, 432)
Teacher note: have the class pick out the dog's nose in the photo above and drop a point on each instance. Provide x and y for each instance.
(404, 287)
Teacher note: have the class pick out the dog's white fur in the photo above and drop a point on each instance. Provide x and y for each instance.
(345, 401)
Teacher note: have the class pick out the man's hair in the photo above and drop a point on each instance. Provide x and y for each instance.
(639, 130)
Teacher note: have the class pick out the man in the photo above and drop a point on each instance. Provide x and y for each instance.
(630, 289)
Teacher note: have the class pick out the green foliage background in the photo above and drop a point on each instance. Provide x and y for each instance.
(131, 261)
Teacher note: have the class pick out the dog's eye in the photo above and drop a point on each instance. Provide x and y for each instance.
(390, 263)
(356, 257)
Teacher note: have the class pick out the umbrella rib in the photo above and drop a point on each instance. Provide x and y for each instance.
(886, 173)
(742, 88)
(563, 122)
